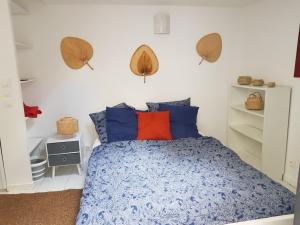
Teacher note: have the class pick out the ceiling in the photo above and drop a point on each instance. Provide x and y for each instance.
(156, 2)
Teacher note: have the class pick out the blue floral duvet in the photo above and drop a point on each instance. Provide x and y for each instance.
(187, 181)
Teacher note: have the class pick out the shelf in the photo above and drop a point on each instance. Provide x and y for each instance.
(260, 88)
(17, 9)
(251, 159)
(32, 143)
(241, 108)
(249, 131)
(21, 45)
(27, 81)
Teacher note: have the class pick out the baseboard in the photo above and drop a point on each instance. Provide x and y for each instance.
(20, 188)
(290, 180)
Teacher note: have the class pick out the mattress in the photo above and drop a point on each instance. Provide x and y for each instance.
(186, 181)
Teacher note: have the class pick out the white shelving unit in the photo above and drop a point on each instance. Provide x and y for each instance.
(259, 137)
(28, 81)
(259, 113)
(17, 8)
(249, 131)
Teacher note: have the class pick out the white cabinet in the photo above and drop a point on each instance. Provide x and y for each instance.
(260, 137)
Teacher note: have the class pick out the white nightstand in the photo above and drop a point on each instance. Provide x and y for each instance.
(62, 151)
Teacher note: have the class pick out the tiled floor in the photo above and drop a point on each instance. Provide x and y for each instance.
(66, 177)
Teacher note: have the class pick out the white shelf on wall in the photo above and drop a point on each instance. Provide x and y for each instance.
(22, 45)
(251, 159)
(27, 80)
(32, 143)
(249, 131)
(17, 8)
(259, 88)
(241, 108)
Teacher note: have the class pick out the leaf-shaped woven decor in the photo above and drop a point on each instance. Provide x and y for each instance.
(76, 52)
(144, 62)
(209, 47)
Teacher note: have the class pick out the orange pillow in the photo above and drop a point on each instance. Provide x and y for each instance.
(154, 126)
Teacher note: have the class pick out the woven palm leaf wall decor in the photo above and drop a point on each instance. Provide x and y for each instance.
(76, 52)
(144, 62)
(209, 47)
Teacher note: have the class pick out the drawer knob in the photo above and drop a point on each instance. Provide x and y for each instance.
(63, 147)
(64, 159)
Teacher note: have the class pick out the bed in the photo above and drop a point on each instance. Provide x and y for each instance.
(186, 181)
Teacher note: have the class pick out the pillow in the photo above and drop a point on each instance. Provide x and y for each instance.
(153, 107)
(183, 120)
(99, 120)
(154, 126)
(121, 124)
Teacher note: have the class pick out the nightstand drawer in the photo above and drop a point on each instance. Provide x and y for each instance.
(63, 147)
(64, 159)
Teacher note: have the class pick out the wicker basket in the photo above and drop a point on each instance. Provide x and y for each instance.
(254, 102)
(244, 80)
(67, 126)
(271, 84)
(258, 82)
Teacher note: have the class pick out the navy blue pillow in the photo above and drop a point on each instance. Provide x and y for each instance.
(153, 107)
(183, 120)
(121, 124)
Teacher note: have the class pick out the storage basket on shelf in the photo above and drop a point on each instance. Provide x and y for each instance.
(38, 167)
(258, 82)
(244, 80)
(254, 102)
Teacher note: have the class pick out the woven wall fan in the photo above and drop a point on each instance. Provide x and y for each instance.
(209, 47)
(144, 62)
(76, 52)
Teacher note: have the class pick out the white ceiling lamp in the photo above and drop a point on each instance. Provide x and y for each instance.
(161, 23)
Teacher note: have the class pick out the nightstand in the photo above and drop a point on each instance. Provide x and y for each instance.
(63, 151)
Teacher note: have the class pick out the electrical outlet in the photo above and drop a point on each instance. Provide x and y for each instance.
(293, 164)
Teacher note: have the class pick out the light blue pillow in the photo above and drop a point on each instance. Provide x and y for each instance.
(153, 107)
(99, 120)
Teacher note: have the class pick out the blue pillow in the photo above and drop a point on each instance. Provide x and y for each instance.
(153, 107)
(99, 120)
(183, 120)
(121, 124)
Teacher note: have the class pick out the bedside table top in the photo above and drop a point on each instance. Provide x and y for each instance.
(58, 138)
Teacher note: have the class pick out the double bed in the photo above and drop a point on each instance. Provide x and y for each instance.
(184, 181)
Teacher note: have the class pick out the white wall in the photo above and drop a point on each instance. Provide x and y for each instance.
(115, 32)
(12, 123)
(270, 33)
(259, 40)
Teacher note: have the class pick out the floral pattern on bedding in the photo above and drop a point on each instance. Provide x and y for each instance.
(187, 181)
